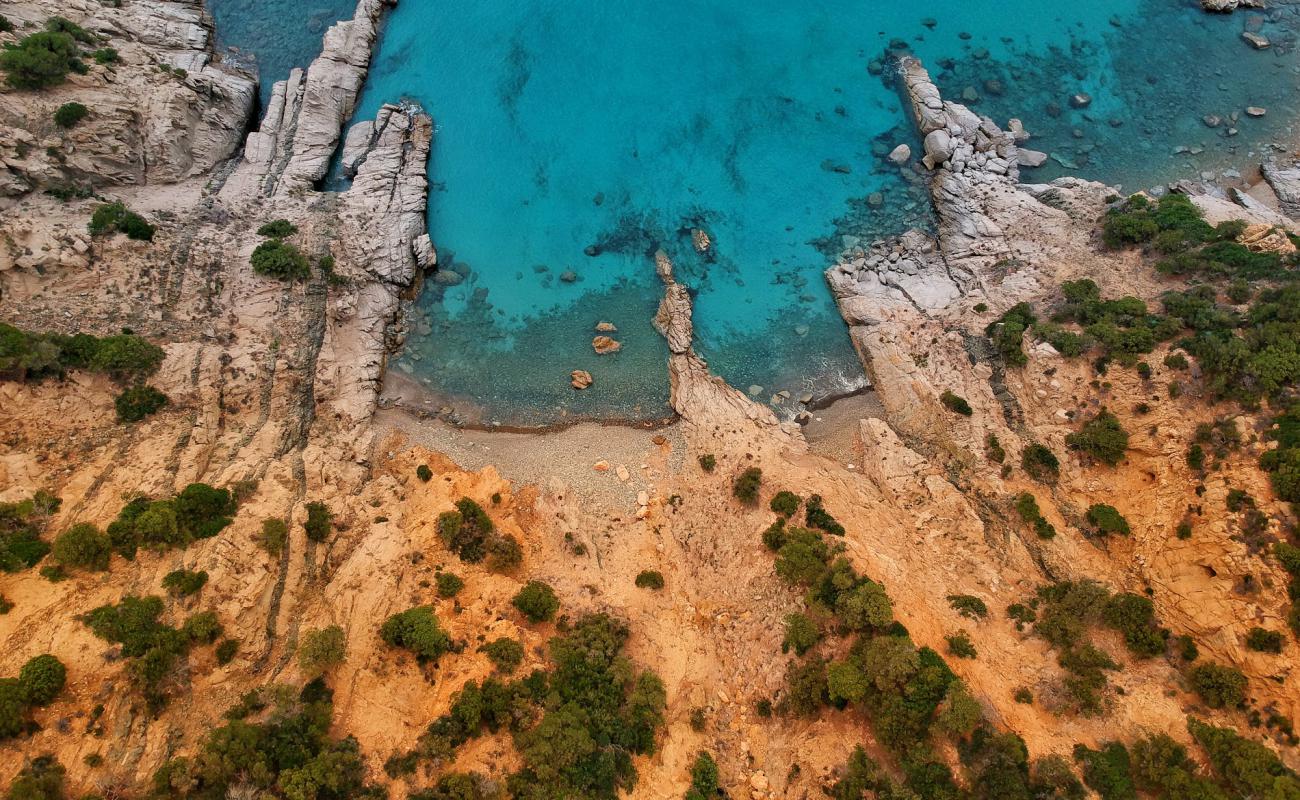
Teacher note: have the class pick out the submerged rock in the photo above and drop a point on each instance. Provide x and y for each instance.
(900, 155)
(580, 379)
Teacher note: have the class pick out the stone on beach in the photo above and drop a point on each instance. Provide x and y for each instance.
(580, 379)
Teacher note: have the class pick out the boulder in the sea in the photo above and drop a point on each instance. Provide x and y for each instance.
(447, 277)
(1256, 40)
(1030, 158)
(580, 379)
(604, 345)
(701, 241)
(900, 155)
(1256, 111)
(568, 276)
(1080, 100)
(606, 327)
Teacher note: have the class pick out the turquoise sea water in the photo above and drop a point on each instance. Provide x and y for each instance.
(275, 35)
(576, 137)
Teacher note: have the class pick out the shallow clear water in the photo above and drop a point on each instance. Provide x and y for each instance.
(624, 124)
(275, 35)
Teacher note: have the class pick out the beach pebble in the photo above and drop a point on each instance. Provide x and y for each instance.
(606, 327)
(622, 473)
(1255, 111)
(601, 466)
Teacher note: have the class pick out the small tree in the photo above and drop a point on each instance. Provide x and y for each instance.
(536, 601)
(1102, 437)
(785, 503)
(318, 522)
(1218, 686)
(1040, 463)
(417, 629)
(746, 486)
(704, 778)
(449, 584)
(41, 60)
(960, 645)
(505, 654)
(277, 229)
(138, 402)
(321, 650)
(69, 114)
(956, 404)
(42, 678)
(650, 579)
(1107, 520)
(83, 546)
(281, 260)
(274, 535)
(184, 582)
(800, 634)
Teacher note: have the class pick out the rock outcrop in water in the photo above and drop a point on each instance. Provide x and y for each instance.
(1226, 6)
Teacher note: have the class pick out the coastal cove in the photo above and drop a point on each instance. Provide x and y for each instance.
(573, 140)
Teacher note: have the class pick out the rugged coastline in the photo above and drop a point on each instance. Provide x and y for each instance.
(276, 386)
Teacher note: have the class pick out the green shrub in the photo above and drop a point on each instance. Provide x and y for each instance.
(449, 584)
(106, 55)
(650, 579)
(83, 546)
(1264, 641)
(1007, 333)
(816, 515)
(275, 533)
(708, 462)
(5, 25)
(1040, 463)
(58, 24)
(956, 404)
(202, 628)
(322, 649)
(1107, 771)
(41, 679)
(960, 645)
(226, 650)
(785, 503)
(281, 260)
(138, 402)
(1245, 767)
(1218, 686)
(745, 487)
(184, 582)
(536, 601)
(801, 634)
(40, 60)
(1023, 696)
(289, 755)
(994, 450)
(1134, 616)
(1027, 508)
(277, 229)
(1106, 519)
(424, 473)
(704, 778)
(959, 712)
(505, 654)
(110, 218)
(864, 606)
(1176, 361)
(968, 606)
(1102, 437)
(40, 779)
(69, 114)
(417, 629)
(802, 557)
(319, 522)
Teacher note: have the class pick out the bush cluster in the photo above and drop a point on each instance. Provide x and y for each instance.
(817, 517)
(39, 681)
(198, 511)
(1008, 333)
(470, 533)
(650, 579)
(21, 526)
(1040, 463)
(1032, 515)
(290, 754)
(42, 59)
(152, 646)
(1106, 519)
(576, 727)
(319, 522)
(32, 356)
(83, 546)
(956, 404)
(505, 654)
(184, 582)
